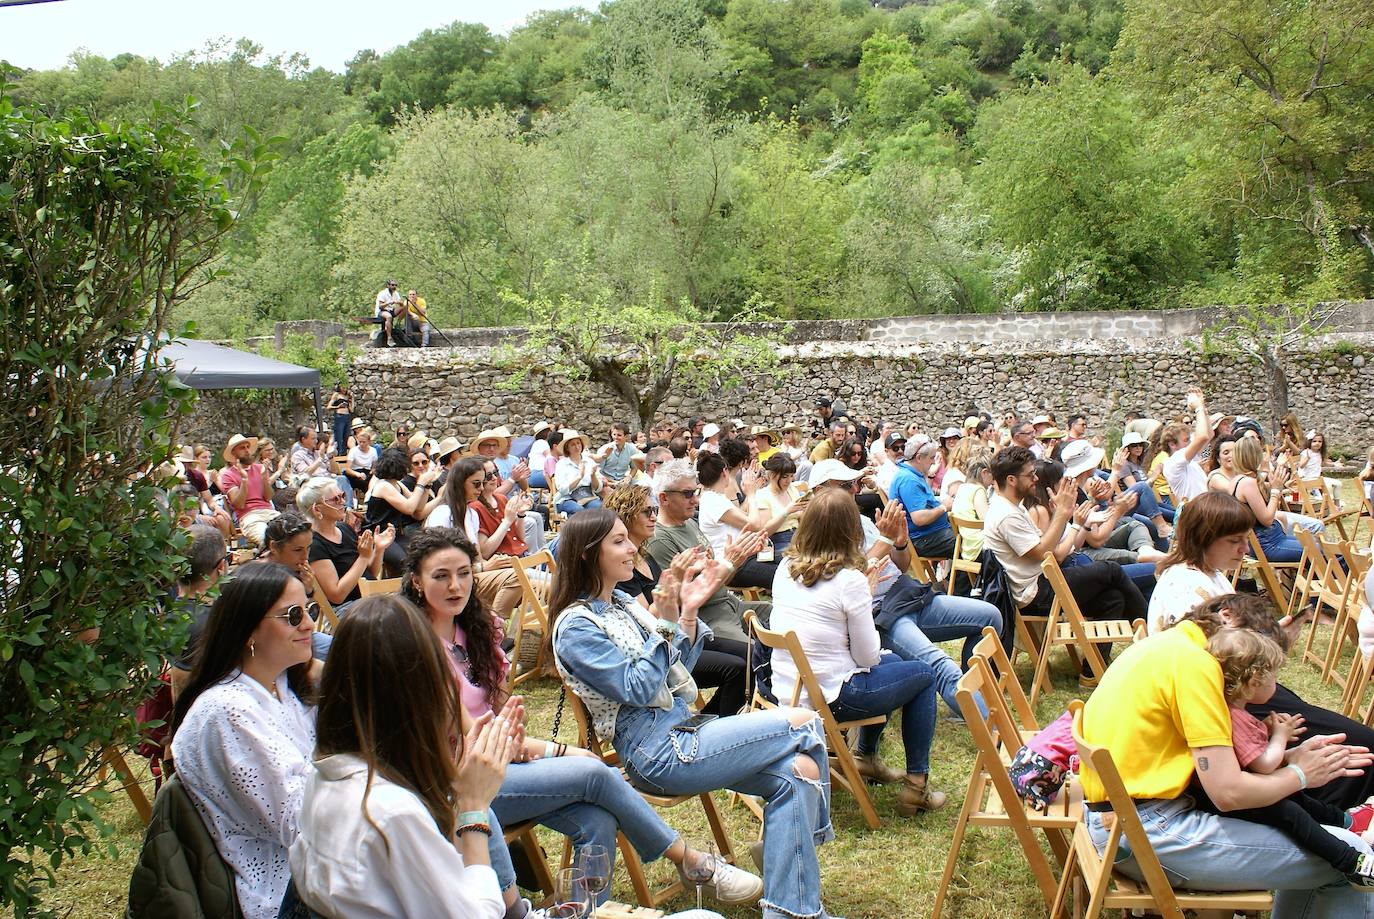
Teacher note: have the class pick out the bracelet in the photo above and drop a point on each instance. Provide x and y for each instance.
(482, 828)
(1075, 527)
(1302, 776)
(885, 541)
(562, 750)
(902, 547)
(550, 749)
(467, 817)
(729, 565)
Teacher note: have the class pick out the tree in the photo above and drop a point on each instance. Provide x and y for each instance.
(1278, 98)
(640, 352)
(1268, 333)
(102, 227)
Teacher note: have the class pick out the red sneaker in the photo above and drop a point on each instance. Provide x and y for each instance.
(1360, 817)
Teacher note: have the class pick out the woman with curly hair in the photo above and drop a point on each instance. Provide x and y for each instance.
(566, 788)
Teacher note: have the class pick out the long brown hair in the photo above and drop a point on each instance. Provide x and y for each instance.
(1202, 521)
(579, 559)
(829, 538)
(483, 650)
(387, 697)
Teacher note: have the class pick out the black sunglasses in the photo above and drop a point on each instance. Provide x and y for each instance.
(296, 613)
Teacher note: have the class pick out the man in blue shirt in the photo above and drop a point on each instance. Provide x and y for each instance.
(927, 515)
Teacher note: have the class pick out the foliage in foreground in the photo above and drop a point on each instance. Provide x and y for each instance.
(102, 225)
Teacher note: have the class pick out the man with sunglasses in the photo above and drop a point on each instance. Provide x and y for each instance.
(677, 531)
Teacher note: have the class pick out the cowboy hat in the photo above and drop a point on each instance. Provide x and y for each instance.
(762, 430)
(417, 441)
(1051, 434)
(1080, 456)
(234, 441)
(1218, 417)
(791, 428)
(500, 434)
(187, 455)
(449, 445)
(357, 423)
(541, 427)
(568, 435)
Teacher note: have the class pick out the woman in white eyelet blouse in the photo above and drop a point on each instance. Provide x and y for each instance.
(244, 728)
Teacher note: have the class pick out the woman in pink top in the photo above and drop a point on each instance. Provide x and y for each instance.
(564, 787)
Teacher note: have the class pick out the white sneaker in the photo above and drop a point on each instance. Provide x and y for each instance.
(731, 884)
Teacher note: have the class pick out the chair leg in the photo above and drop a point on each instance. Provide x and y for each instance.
(841, 753)
(116, 762)
(538, 864)
(971, 798)
(724, 847)
(634, 868)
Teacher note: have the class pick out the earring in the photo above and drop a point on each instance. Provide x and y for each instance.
(252, 649)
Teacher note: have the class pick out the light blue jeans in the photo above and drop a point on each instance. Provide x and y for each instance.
(950, 617)
(752, 753)
(585, 800)
(1202, 851)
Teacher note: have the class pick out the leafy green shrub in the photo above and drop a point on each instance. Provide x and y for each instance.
(102, 227)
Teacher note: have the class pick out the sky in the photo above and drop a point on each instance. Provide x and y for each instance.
(329, 32)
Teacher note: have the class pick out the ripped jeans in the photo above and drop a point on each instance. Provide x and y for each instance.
(1202, 851)
(752, 753)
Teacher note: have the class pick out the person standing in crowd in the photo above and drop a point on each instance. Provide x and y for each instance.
(341, 404)
(247, 487)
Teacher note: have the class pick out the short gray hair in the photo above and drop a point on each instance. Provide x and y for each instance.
(673, 474)
(313, 492)
(658, 455)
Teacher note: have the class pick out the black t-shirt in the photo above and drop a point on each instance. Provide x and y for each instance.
(342, 555)
(380, 512)
(637, 585)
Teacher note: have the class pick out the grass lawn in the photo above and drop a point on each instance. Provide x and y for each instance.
(889, 872)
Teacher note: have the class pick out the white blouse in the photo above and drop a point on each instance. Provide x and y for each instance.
(1179, 589)
(397, 864)
(358, 458)
(244, 757)
(834, 621)
(713, 507)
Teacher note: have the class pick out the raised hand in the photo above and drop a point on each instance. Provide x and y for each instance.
(520, 472)
(386, 537)
(746, 546)
(1125, 502)
(1083, 512)
(367, 546)
(892, 521)
(1063, 497)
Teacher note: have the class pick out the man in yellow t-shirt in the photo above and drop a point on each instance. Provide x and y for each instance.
(418, 318)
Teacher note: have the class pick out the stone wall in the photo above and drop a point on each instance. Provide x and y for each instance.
(456, 391)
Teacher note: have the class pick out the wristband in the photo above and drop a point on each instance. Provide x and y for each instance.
(1074, 527)
(885, 541)
(902, 547)
(467, 817)
(730, 566)
(482, 828)
(1302, 776)
(550, 749)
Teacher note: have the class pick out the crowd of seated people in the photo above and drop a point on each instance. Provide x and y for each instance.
(286, 741)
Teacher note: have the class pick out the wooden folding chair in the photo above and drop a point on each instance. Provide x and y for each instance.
(1067, 626)
(991, 800)
(329, 620)
(844, 770)
(634, 868)
(522, 837)
(530, 619)
(132, 787)
(920, 569)
(1312, 584)
(1267, 573)
(1087, 872)
(959, 563)
(1345, 630)
(1317, 501)
(338, 464)
(369, 586)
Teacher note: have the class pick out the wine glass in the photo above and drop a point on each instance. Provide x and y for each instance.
(702, 871)
(595, 863)
(570, 893)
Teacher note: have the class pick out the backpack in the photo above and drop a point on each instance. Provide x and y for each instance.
(1040, 768)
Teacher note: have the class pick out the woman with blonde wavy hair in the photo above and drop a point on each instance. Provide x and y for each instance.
(824, 593)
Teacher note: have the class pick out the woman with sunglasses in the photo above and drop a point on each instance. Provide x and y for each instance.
(855, 456)
(566, 788)
(723, 661)
(244, 727)
(339, 557)
(288, 540)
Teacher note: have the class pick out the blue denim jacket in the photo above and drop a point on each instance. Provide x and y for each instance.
(592, 657)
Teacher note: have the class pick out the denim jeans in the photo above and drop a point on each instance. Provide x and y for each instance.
(908, 640)
(754, 754)
(569, 507)
(1310, 524)
(1277, 544)
(1146, 504)
(1201, 851)
(342, 424)
(893, 684)
(537, 479)
(946, 618)
(585, 800)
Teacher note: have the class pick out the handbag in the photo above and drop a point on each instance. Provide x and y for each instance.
(583, 495)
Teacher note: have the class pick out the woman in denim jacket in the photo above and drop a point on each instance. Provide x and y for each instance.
(631, 668)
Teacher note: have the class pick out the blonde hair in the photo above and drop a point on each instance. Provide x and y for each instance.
(829, 538)
(1245, 658)
(1247, 455)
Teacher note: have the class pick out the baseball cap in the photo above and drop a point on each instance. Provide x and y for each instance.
(893, 439)
(822, 402)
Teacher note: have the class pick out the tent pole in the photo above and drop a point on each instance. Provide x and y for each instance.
(319, 415)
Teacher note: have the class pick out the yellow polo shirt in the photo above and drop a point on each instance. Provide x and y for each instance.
(1157, 702)
(823, 451)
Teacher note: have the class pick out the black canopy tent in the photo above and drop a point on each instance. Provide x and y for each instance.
(206, 365)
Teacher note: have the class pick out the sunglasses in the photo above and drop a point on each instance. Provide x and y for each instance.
(423, 464)
(650, 511)
(296, 614)
(685, 492)
(338, 500)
